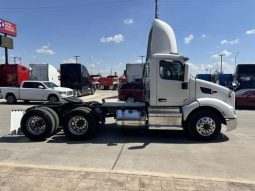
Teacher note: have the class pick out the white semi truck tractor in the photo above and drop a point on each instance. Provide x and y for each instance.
(174, 99)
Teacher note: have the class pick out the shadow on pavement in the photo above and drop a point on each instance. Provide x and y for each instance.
(110, 135)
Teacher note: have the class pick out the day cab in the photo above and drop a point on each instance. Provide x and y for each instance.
(173, 99)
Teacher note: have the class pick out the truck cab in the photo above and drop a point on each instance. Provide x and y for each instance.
(174, 97)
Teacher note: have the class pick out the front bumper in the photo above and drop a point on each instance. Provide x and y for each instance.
(231, 124)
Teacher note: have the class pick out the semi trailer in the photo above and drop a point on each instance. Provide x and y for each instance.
(44, 72)
(12, 75)
(173, 99)
(76, 77)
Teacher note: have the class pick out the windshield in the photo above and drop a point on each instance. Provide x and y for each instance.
(50, 84)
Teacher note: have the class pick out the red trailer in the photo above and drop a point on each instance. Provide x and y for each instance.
(109, 82)
(13, 74)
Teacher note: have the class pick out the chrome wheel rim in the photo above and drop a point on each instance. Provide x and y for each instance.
(206, 126)
(130, 100)
(36, 125)
(78, 125)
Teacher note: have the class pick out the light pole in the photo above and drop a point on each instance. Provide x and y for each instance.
(221, 55)
(20, 60)
(76, 59)
(235, 58)
(14, 58)
(142, 58)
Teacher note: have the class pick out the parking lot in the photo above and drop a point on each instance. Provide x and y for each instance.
(231, 156)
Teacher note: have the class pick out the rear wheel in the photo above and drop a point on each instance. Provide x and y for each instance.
(55, 117)
(80, 124)
(204, 125)
(11, 99)
(37, 124)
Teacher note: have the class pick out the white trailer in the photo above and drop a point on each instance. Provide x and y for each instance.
(173, 99)
(44, 72)
(134, 72)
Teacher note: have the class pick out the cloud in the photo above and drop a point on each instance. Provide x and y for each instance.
(231, 42)
(70, 60)
(206, 68)
(188, 39)
(203, 36)
(118, 65)
(225, 53)
(252, 31)
(128, 21)
(45, 50)
(115, 39)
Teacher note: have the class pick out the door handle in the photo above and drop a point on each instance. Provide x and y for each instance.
(162, 99)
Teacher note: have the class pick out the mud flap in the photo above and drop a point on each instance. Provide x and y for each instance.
(16, 116)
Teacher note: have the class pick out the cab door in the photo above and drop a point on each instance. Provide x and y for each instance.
(171, 88)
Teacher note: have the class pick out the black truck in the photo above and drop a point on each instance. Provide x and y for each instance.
(245, 76)
(76, 77)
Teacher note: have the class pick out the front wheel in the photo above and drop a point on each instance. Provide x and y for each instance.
(204, 125)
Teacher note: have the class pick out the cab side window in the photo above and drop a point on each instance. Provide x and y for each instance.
(171, 70)
(37, 84)
(28, 85)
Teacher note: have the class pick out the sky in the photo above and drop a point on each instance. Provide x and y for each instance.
(107, 34)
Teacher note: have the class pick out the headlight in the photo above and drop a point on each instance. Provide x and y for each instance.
(62, 93)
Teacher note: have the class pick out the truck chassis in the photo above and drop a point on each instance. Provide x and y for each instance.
(81, 120)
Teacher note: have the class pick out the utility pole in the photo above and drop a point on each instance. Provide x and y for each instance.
(156, 9)
(76, 58)
(6, 53)
(20, 60)
(235, 58)
(142, 58)
(14, 58)
(221, 55)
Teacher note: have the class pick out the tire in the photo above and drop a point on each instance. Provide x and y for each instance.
(80, 124)
(204, 125)
(92, 91)
(131, 99)
(54, 115)
(11, 99)
(53, 99)
(75, 93)
(33, 131)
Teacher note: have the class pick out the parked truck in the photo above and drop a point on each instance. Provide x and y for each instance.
(245, 76)
(94, 79)
(76, 77)
(134, 72)
(35, 91)
(109, 82)
(12, 75)
(173, 99)
(44, 72)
